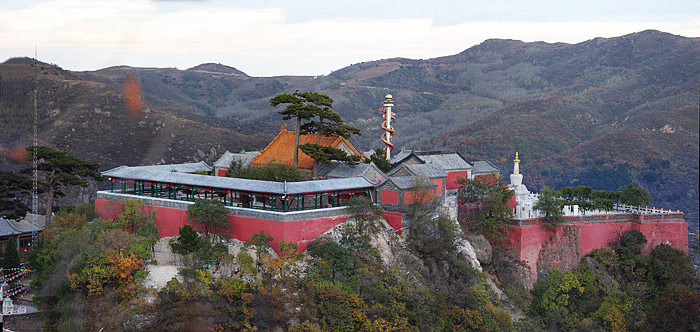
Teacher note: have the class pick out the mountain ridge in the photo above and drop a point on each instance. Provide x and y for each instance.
(561, 99)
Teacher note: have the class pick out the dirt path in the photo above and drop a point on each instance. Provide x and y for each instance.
(166, 268)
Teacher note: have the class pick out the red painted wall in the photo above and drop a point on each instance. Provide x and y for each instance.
(485, 176)
(390, 197)
(222, 172)
(452, 179)
(302, 232)
(529, 240)
(439, 186)
(394, 220)
(512, 203)
(410, 196)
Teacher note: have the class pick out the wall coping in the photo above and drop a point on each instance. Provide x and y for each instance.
(610, 218)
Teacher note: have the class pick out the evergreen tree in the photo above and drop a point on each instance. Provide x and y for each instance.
(11, 186)
(325, 123)
(188, 241)
(235, 168)
(551, 205)
(10, 259)
(261, 241)
(57, 170)
(301, 106)
(326, 154)
(379, 159)
(209, 217)
(487, 205)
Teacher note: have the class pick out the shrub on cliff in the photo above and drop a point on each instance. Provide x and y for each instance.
(629, 243)
(486, 201)
(551, 206)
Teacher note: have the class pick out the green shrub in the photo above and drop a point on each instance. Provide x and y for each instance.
(629, 244)
(607, 258)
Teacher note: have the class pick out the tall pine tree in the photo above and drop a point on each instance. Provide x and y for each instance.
(10, 259)
(301, 106)
(58, 170)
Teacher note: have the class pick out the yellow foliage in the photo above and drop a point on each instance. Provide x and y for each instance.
(355, 301)
(247, 298)
(124, 267)
(304, 327)
(465, 319)
(383, 325)
(614, 321)
(61, 222)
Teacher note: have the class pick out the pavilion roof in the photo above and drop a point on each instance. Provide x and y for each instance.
(338, 169)
(182, 168)
(236, 184)
(22, 226)
(281, 149)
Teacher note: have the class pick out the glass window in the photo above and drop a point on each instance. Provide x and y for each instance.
(25, 243)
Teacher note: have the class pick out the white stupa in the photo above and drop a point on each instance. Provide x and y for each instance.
(524, 200)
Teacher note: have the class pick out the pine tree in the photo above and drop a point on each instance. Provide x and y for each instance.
(188, 241)
(551, 205)
(209, 217)
(57, 170)
(378, 157)
(11, 185)
(301, 106)
(325, 123)
(10, 259)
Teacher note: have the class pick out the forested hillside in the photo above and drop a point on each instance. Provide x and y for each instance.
(89, 119)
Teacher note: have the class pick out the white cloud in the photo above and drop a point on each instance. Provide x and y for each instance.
(87, 35)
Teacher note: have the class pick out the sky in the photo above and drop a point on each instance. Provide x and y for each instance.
(308, 37)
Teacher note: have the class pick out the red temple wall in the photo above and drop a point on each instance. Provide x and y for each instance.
(302, 232)
(411, 197)
(530, 240)
(394, 219)
(390, 197)
(452, 179)
(439, 187)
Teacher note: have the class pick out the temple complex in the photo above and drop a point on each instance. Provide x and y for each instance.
(301, 211)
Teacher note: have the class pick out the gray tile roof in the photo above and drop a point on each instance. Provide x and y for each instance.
(244, 156)
(484, 167)
(26, 225)
(408, 182)
(427, 170)
(449, 160)
(226, 183)
(343, 170)
(400, 156)
(182, 168)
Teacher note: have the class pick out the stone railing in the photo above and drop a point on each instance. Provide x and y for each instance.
(612, 218)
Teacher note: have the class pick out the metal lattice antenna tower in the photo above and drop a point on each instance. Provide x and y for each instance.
(35, 164)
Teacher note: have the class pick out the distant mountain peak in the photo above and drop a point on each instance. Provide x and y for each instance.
(218, 68)
(25, 61)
